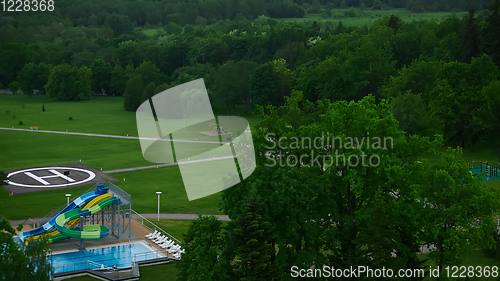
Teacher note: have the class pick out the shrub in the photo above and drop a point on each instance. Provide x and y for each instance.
(14, 116)
(21, 122)
(70, 118)
(43, 107)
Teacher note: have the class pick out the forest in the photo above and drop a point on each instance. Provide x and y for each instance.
(426, 84)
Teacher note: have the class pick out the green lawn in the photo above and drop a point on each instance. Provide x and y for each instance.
(32, 149)
(100, 115)
(369, 17)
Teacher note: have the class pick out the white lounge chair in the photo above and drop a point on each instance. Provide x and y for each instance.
(161, 241)
(158, 238)
(167, 245)
(151, 235)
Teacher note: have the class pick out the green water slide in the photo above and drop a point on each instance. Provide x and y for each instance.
(89, 231)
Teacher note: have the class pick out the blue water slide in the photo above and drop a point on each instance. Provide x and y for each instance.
(77, 203)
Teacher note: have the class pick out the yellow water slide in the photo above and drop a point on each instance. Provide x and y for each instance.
(72, 223)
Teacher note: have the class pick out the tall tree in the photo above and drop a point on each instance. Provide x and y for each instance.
(69, 83)
(149, 73)
(459, 210)
(263, 86)
(204, 243)
(148, 92)
(118, 80)
(231, 83)
(133, 93)
(34, 77)
(251, 237)
(101, 76)
(471, 37)
(412, 115)
(491, 33)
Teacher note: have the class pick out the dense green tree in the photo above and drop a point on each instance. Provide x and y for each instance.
(334, 189)
(491, 115)
(251, 237)
(14, 57)
(118, 80)
(232, 83)
(69, 83)
(471, 38)
(133, 93)
(395, 23)
(23, 263)
(459, 210)
(173, 56)
(148, 92)
(101, 76)
(350, 76)
(410, 111)
(263, 86)
(491, 33)
(210, 50)
(419, 77)
(119, 23)
(284, 80)
(149, 73)
(204, 242)
(34, 77)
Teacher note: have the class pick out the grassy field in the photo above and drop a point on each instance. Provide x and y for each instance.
(369, 17)
(99, 115)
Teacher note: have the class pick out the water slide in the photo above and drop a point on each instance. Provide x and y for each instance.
(48, 226)
(88, 231)
(55, 235)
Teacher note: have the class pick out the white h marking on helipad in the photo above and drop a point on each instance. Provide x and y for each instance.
(42, 181)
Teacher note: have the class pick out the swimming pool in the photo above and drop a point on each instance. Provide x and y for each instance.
(119, 255)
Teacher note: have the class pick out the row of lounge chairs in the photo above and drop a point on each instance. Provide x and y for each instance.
(167, 244)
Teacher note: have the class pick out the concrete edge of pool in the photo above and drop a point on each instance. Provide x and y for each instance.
(130, 272)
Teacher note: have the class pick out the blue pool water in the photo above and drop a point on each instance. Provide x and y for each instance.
(121, 256)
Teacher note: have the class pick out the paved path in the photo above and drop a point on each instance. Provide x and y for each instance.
(181, 216)
(166, 165)
(107, 136)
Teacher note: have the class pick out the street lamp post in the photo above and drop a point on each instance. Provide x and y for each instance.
(68, 195)
(158, 192)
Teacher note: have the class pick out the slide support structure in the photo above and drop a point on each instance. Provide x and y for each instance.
(82, 247)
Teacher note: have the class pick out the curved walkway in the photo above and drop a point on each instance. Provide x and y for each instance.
(166, 165)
